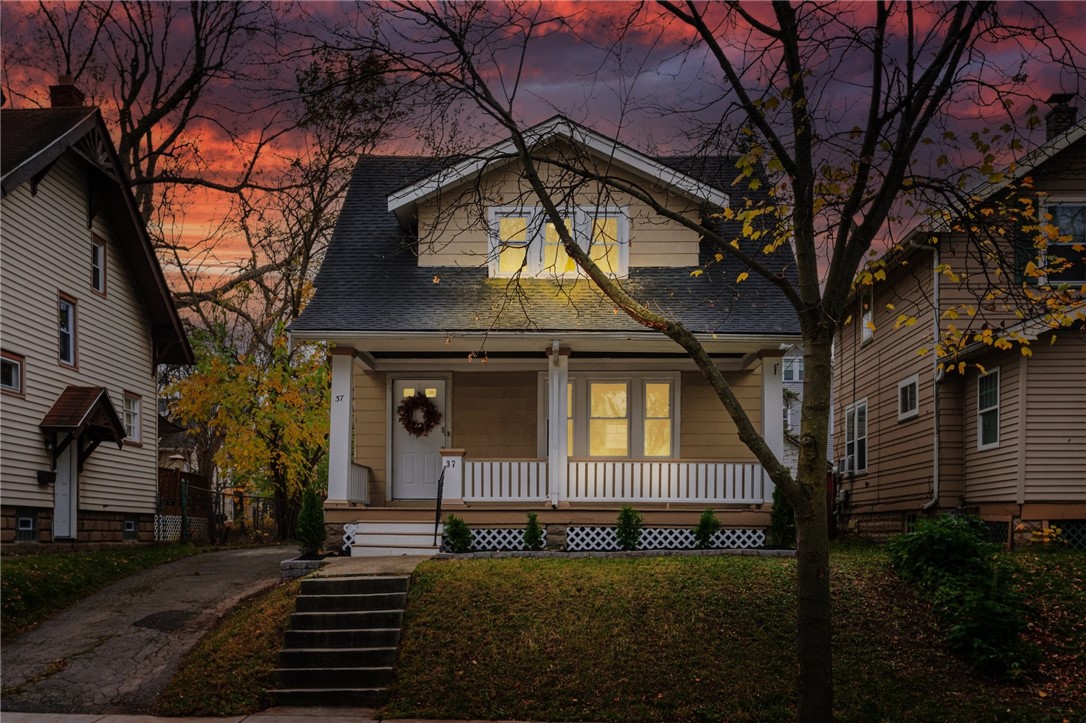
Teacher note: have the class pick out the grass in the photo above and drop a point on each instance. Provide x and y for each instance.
(35, 587)
(227, 672)
(711, 638)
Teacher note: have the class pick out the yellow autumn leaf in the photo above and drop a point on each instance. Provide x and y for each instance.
(1027, 352)
(742, 277)
(696, 272)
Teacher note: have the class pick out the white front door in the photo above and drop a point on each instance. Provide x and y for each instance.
(66, 493)
(416, 461)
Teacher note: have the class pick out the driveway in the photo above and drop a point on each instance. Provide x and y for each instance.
(114, 651)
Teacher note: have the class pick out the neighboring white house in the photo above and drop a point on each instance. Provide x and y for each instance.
(446, 294)
(85, 318)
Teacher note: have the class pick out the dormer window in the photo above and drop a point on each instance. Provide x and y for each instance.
(523, 241)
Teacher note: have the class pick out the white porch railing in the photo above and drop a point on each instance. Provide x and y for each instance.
(501, 481)
(358, 485)
(649, 481)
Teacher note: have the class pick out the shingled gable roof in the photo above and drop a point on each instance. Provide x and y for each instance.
(403, 201)
(370, 281)
(32, 140)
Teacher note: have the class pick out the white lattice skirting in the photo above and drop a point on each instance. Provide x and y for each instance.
(590, 539)
(168, 528)
(500, 539)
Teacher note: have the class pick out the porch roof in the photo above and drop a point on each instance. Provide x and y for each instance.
(371, 282)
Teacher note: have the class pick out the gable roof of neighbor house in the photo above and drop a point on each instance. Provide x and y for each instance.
(370, 280)
(33, 140)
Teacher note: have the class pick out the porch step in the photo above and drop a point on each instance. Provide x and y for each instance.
(395, 538)
(341, 645)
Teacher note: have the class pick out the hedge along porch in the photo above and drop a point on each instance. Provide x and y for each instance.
(642, 429)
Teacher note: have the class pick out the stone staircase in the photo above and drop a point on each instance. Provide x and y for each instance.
(342, 641)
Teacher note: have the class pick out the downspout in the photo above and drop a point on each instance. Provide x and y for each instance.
(937, 376)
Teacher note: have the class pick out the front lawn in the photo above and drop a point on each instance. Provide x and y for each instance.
(35, 587)
(710, 638)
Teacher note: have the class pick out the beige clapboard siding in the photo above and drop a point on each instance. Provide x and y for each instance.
(1056, 420)
(706, 430)
(494, 414)
(453, 227)
(991, 475)
(899, 466)
(371, 428)
(46, 248)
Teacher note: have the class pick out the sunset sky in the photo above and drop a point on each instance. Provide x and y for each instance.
(621, 84)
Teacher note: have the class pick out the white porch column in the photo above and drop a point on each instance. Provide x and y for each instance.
(772, 413)
(557, 435)
(339, 428)
(452, 465)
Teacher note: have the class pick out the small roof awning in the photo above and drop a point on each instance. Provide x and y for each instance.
(85, 414)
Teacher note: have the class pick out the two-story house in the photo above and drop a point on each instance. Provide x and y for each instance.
(85, 318)
(465, 340)
(1003, 433)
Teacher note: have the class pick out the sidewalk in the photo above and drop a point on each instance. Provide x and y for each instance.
(272, 715)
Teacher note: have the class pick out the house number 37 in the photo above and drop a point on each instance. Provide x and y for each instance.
(339, 397)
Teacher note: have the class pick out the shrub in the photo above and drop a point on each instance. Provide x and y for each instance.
(941, 547)
(629, 528)
(781, 534)
(707, 527)
(457, 534)
(311, 532)
(971, 591)
(533, 533)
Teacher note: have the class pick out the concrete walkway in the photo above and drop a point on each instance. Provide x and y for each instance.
(115, 651)
(272, 715)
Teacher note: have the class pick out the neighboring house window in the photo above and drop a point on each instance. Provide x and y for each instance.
(867, 326)
(1065, 258)
(132, 413)
(908, 405)
(12, 373)
(856, 436)
(66, 334)
(787, 416)
(523, 241)
(988, 410)
(793, 369)
(26, 525)
(98, 265)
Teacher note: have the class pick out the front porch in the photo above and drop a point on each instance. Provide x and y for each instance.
(642, 430)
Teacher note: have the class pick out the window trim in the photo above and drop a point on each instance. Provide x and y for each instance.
(98, 246)
(137, 440)
(907, 414)
(1045, 211)
(789, 367)
(981, 445)
(851, 408)
(580, 220)
(63, 298)
(20, 361)
(635, 403)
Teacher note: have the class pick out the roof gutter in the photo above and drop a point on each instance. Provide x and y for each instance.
(300, 336)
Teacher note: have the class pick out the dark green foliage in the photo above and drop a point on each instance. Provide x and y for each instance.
(629, 528)
(781, 534)
(707, 527)
(457, 534)
(311, 532)
(533, 533)
(971, 590)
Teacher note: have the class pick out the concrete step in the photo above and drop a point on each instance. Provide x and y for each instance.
(298, 678)
(336, 657)
(362, 585)
(392, 551)
(330, 603)
(349, 620)
(372, 638)
(399, 527)
(327, 697)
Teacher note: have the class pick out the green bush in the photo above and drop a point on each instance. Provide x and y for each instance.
(457, 534)
(707, 527)
(971, 591)
(781, 534)
(311, 532)
(942, 547)
(533, 533)
(629, 528)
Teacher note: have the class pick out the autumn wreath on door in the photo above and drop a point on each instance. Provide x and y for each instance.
(418, 415)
